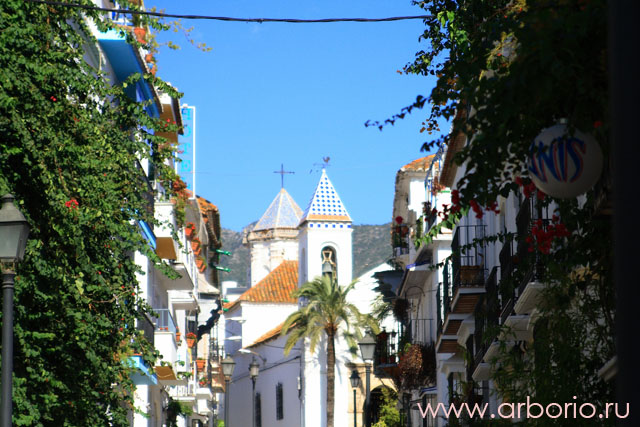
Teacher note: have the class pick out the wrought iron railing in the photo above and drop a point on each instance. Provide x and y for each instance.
(468, 256)
(486, 316)
(446, 289)
(386, 352)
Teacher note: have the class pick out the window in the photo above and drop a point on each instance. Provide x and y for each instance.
(279, 402)
(258, 410)
(428, 399)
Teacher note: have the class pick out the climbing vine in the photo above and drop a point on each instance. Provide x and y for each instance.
(505, 70)
(71, 150)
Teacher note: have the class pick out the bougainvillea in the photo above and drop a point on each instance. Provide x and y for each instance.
(68, 154)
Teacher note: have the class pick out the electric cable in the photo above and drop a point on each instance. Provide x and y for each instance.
(227, 18)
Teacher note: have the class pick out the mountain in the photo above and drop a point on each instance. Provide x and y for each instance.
(371, 247)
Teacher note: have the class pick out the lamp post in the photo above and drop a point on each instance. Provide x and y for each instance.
(228, 365)
(355, 383)
(14, 231)
(367, 349)
(254, 369)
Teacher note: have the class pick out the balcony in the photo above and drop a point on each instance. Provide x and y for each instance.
(486, 318)
(385, 358)
(127, 59)
(141, 374)
(400, 242)
(165, 335)
(185, 394)
(145, 324)
(520, 284)
(468, 268)
(184, 265)
(183, 300)
(447, 322)
(166, 246)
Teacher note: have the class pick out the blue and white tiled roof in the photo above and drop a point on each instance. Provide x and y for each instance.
(325, 204)
(283, 212)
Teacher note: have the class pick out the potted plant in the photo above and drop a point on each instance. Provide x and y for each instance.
(196, 246)
(191, 339)
(141, 34)
(178, 336)
(189, 229)
(200, 363)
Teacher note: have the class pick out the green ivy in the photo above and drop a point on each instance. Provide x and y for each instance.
(68, 154)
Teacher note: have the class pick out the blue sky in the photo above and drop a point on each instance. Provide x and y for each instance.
(275, 93)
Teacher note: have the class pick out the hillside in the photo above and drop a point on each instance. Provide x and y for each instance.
(371, 246)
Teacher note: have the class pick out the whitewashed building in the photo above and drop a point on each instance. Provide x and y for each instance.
(291, 389)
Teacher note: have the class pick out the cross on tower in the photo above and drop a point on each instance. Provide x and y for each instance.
(282, 172)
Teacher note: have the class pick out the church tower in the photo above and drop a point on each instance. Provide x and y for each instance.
(325, 236)
(274, 238)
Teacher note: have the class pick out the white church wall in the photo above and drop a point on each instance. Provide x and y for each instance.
(278, 369)
(261, 318)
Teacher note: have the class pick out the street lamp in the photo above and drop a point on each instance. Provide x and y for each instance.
(228, 365)
(367, 349)
(254, 369)
(14, 231)
(355, 383)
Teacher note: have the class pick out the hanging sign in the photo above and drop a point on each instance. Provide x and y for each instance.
(563, 165)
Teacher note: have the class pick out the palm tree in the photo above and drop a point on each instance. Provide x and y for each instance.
(326, 310)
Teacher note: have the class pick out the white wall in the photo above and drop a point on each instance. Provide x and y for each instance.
(316, 235)
(267, 255)
(277, 369)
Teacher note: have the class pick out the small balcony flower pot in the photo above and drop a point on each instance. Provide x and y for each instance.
(189, 230)
(200, 363)
(140, 34)
(191, 339)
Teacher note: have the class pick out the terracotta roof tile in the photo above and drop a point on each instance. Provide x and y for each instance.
(276, 287)
(272, 334)
(205, 205)
(421, 164)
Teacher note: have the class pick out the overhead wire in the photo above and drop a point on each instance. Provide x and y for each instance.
(227, 18)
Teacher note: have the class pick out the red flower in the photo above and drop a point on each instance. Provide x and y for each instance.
(71, 204)
(53, 98)
(455, 197)
(597, 124)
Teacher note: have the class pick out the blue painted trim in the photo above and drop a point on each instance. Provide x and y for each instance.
(429, 390)
(143, 377)
(124, 61)
(148, 233)
(415, 264)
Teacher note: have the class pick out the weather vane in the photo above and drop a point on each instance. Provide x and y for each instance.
(324, 164)
(282, 172)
